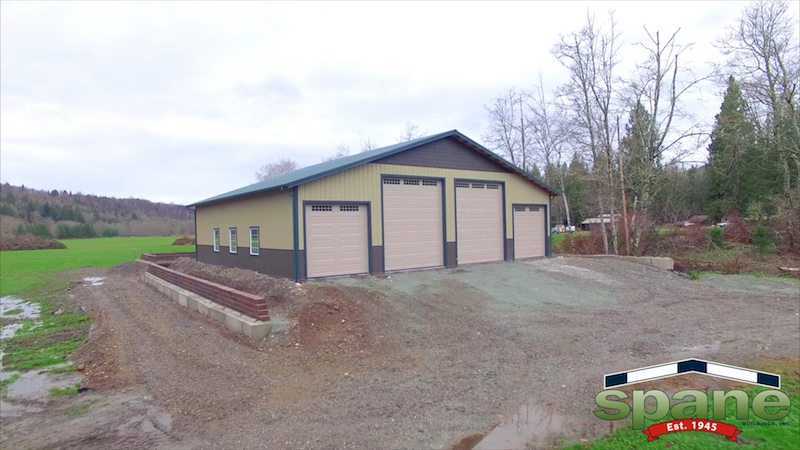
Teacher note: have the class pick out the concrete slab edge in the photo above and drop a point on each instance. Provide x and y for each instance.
(233, 320)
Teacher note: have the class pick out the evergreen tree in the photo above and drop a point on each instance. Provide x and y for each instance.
(733, 157)
(575, 186)
(642, 169)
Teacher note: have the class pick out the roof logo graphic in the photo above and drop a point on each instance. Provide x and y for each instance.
(685, 366)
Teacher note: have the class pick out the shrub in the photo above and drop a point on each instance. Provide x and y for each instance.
(110, 232)
(582, 243)
(736, 230)
(697, 238)
(763, 240)
(717, 235)
(733, 266)
(36, 229)
(786, 224)
(84, 230)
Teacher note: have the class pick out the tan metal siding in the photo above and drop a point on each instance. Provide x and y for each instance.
(529, 228)
(413, 223)
(363, 184)
(337, 240)
(271, 211)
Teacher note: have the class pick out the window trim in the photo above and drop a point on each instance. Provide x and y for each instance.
(215, 238)
(231, 248)
(250, 234)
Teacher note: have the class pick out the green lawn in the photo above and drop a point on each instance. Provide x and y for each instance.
(32, 275)
(756, 434)
(21, 271)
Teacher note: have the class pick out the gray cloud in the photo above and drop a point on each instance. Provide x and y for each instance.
(177, 102)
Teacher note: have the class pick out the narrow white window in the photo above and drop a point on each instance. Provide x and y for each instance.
(233, 240)
(255, 241)
(215, 239)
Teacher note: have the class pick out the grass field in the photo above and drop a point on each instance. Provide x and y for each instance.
(21, 271)
(33, 276)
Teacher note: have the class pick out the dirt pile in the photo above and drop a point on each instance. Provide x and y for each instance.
(326, 319)
(274, 289)
(332, 320)
(184, 240)
(29, 242)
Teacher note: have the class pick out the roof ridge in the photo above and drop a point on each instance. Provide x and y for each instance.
(326, 168)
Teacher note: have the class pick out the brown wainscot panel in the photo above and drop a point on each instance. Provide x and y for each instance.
(275, 262)
(509, 249)
(451, 254)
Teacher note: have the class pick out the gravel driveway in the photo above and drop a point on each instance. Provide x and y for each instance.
(428, 359)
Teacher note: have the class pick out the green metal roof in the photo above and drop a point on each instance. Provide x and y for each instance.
(328, 168)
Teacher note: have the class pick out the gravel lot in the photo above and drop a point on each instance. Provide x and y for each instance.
(424, 359)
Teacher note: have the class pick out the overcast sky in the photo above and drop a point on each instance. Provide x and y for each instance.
(178, 101)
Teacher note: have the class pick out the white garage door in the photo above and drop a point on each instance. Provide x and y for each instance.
(529, 229)
(412, 223)
(479, 222)
(336, 240)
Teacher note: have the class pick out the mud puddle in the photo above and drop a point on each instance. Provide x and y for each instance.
(36, 386)
(534, 426)
(14, 310)
(94, 281)
(26, 391)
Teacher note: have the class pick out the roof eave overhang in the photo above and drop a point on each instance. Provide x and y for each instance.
(454, 133)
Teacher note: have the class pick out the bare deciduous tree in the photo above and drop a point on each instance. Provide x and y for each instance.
(659, 90)
(274, 169)
(550, 132)
(591, 55)
(764, 56)
(411, 132)
(341, 151)
(368, 145)
(508, 132)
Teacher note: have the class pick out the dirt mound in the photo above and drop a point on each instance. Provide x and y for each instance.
(29, 242)
(332, 320)
(327, 319)
(278, 289)
(184, 240)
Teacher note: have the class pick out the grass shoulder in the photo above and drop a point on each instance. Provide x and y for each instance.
(37, 277)
(49, 339)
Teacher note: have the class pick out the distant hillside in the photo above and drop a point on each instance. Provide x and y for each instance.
(62, 214)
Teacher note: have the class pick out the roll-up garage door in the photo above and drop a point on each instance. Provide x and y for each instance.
(412, 223)
(529, 231)
(479, 222)
(336, 240)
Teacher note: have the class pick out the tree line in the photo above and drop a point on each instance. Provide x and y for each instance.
(620, 143)
(65, 215)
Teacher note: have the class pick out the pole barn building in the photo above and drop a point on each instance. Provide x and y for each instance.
(437, 201)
